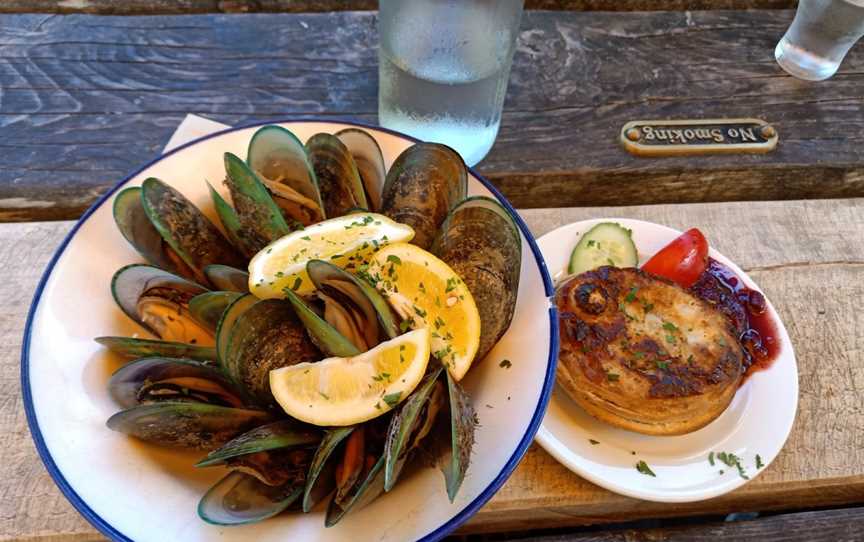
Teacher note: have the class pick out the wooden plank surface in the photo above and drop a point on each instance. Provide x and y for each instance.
(87, 100)
(820, 526)
(806, 255)
(152, 7)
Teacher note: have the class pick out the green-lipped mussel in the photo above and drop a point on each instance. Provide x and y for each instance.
(203, 382)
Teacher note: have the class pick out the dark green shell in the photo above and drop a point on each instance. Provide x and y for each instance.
(137, 382)
(208, 307)
(239, 498)
(480, 241)
(320, 481)
(260, 218)
(185, 424)
(423, 184)
(273, 436)
(265, 337)
(135, 226)
(141, 348)
(404, 424)
(338, 178)
(193, 237)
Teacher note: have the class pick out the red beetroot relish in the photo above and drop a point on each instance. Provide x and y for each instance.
(746, 309)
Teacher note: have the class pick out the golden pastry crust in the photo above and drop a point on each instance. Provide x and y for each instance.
(643, 354)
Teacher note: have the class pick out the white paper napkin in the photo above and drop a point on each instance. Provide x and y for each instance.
(192, 127)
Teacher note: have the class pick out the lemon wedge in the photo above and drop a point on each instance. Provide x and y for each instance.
(346, 241)
(345, 391)
(427, 293)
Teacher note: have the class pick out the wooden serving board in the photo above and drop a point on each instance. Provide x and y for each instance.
(806, 255)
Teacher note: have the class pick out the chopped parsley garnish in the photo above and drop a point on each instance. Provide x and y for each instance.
(631, 295)
(451, 285)
(420, 312)
(591, 242)
(279, 274)
(395, 259)
(732, 460)
(711, 458)
(297, 282)
(612, 377)
(591, 440)
(670, 339)
(759, 463)
(610, 262)
(306, 238)
(647, 307)
(662, 364)
(505, 363)
(643, 468)
(392, 399)
(669, 326)
(381, 377)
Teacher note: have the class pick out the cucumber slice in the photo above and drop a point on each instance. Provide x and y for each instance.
(606, 243)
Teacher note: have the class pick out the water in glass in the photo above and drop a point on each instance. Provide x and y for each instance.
(444, 66)
(820, 36)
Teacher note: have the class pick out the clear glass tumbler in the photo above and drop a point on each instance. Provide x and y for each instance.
(820, 36)
(444, 66)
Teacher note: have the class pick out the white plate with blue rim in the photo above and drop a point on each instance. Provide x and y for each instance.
(131, 490)
(687, 467)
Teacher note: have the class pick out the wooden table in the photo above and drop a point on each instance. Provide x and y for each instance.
(84, 100)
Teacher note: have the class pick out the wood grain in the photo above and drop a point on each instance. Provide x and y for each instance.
(806, 255)
(152, 7)
(820, 526)
(87, 100)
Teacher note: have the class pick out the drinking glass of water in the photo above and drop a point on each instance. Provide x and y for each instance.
(443, 69)
(820, 36)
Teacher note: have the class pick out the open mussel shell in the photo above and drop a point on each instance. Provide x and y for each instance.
(365, 307)
(362, 494)
(158, 300)
(273, 436)
(411, 424)
(186, 424)
(481, 242)
(240, 498)
(196, 240)
(231, 223)
(338, 178)
(141, 348)
(281, 162)
(463, 422)
(226, 324)
(208, 307)
(135, 226)
(369, 160)
(227, 278)
(158, 379)
(320, 481)
(260, 218)
(423, 184)
(267, 336)
(326, 337)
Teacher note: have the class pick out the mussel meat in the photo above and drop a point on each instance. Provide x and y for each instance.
(280, 160)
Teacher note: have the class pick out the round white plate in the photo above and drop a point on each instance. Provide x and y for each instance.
(134, 491)
(757, 421)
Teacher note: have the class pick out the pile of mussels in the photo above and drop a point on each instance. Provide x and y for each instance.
(203, 383)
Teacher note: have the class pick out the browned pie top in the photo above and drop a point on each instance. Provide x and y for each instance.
(628, 331)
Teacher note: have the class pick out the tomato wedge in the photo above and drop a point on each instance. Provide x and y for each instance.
(682, 261)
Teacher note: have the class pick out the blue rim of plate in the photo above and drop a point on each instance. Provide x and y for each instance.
(463, 515)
